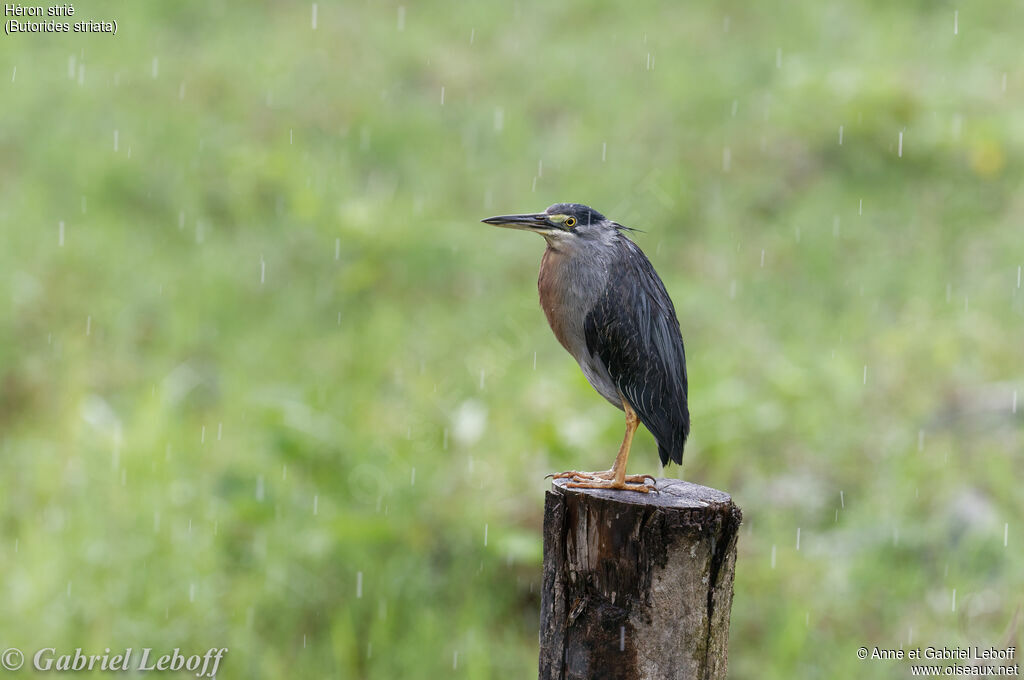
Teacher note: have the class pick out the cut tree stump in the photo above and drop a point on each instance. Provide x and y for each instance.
(637, 585)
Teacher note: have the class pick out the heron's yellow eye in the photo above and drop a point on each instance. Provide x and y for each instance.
(570, 222)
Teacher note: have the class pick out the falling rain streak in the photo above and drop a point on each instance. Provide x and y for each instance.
(840, 135)
(60, 234)
(899, 148)
(956, 22)
(314, 16)
(401, 17)
(359, 584)
(798, 538)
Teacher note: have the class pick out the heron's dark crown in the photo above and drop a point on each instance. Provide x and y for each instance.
(583, 214)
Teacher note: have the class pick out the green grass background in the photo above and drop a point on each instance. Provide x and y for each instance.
(278, 384)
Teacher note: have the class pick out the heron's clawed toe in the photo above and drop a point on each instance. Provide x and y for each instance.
(611, 484)
(582, 476)
(640, 479)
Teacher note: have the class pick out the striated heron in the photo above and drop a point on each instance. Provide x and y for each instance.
(609, 309)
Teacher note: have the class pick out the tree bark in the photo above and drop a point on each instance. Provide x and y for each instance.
(637, 585)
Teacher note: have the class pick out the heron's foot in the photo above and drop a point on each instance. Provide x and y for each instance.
(605, 480)
(631, 483)
(603, 475)
(573, 474)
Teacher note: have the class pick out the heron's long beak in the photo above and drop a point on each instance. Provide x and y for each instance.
(529, 222)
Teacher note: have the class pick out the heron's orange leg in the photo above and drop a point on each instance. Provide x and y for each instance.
(616, 478)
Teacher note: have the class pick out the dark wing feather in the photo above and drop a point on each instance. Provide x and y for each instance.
(634, 331)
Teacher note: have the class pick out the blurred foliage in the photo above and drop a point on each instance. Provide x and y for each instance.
(266, 382)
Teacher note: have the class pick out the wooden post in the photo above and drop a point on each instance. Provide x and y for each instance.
(637, 585)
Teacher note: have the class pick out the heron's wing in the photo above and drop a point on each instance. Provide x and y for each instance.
(633, 330)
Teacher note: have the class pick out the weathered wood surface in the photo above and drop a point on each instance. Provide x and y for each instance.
(637, 585)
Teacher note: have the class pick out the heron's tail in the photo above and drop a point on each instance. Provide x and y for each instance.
(671, 448)
(674, 454)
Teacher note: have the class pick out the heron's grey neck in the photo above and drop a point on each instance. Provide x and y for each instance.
(572, 278)
(570, 283)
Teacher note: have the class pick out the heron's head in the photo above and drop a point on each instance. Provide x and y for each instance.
(563, 224)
